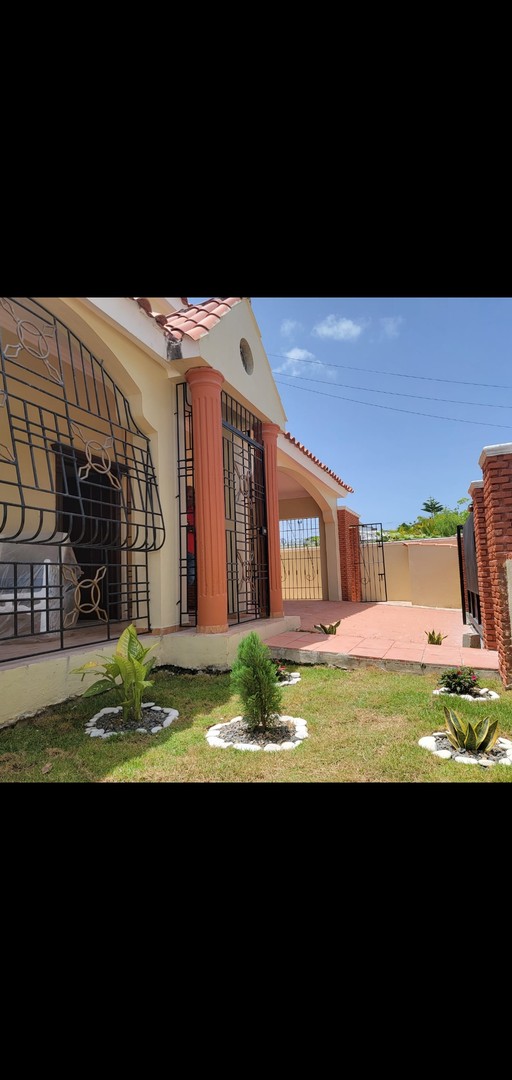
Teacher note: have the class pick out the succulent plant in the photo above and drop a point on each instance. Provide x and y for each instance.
(329, 628)
(435, 637)
(464, 734)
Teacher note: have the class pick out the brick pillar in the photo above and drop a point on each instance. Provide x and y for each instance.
(476, 490)
(496, 464)
(270, 433)
(212, 596)
(349, 554)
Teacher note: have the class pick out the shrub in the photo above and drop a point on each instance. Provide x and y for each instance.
(460, 681)
(435, 637)
(254, 678)
(281, 672)
(127, 665)
(476, 737)
(330, 628)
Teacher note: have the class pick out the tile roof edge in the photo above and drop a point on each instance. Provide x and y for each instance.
(304, 449)
(175, 334)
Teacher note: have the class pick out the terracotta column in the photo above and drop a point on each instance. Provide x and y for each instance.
(270, 433)
(476, 490)
(496, 465)
(212, 597)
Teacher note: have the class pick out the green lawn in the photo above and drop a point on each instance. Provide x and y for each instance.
(363, 726)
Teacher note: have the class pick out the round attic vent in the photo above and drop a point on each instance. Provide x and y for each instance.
(246, 356)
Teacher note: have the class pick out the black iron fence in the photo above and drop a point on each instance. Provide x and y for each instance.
(373, 567)
(301, 568)
(78, 487)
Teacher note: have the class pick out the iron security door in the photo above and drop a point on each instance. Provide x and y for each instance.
(472, 591)
(245, 514)
(373, 570)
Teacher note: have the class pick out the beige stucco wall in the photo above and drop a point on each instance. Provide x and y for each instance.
(396, 561)
(139, 368)
(424, 572)
(30, 685)
(221, 349)
(291, 509)
(152, 396)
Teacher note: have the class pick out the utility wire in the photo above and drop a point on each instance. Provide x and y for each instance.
(398, 374)
(392, 393)
(392, 408)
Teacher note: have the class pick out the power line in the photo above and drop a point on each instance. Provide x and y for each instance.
(398, 374)
(392, 393)
(391, 408)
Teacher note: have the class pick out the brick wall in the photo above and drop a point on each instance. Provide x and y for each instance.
(350, 565)
(496, 463)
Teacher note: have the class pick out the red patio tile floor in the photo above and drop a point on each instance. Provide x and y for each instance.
(383, 632)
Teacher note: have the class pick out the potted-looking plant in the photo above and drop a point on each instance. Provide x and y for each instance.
(125, 673)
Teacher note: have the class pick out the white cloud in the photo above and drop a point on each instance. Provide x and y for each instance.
(391, 325)
(292, 364)
(339, 328)
(290, 327)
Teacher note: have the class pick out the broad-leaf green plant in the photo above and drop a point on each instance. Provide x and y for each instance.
(464, 734)
(435, 637)
(254, 678)
(126, 672)
(327, 628)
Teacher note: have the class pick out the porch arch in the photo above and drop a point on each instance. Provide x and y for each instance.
(300, 498)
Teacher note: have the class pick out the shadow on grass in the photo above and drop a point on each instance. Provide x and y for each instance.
(53, 747)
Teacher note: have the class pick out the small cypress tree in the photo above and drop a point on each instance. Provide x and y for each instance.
(254, 678)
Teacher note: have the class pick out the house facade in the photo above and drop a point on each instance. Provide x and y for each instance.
(146, 476)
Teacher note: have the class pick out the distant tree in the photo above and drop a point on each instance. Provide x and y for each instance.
(432, 506)
(312, 541)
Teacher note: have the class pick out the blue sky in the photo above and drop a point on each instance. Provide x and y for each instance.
(336, 358)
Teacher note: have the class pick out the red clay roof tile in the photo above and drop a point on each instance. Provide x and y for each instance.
(317, 461)
(193, 320)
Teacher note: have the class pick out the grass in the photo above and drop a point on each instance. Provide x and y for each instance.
(364, 726)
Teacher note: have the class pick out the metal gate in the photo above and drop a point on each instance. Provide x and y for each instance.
(373, 568)
(301, 570)
(245, 513)
(187, 516)
(468, 569)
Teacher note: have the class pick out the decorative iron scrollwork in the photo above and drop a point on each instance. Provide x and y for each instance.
(7, 455)
(92, 446)
(243, 484)
(91, 608)
(32, 339)
(247, 569)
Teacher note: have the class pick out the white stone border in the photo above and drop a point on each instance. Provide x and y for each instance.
(292, 679)
(434, 743)
(483, 694)
(100, 733)
(301, 733)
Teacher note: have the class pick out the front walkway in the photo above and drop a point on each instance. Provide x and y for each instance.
(392, 634)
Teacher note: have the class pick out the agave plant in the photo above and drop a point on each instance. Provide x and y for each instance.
(329, 628)
(477, 737)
